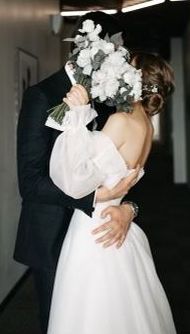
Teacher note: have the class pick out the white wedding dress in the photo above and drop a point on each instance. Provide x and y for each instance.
(98, 290)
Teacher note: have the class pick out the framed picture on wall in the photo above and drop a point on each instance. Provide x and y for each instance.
(27, 73)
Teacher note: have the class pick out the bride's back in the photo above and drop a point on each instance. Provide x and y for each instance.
(132, 134)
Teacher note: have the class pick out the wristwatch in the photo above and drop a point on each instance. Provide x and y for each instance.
(134, 207)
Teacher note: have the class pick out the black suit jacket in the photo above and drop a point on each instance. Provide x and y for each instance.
(46, 210)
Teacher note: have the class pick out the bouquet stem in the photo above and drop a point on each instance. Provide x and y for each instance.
(58, 112)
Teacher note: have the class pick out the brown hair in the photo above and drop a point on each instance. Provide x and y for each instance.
(157, 81)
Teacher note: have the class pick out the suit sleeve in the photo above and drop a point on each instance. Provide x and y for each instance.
(34, 144)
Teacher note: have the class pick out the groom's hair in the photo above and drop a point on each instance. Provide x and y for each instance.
(110, 25)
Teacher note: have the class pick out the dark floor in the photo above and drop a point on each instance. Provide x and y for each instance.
(165, 217)
(20, 315)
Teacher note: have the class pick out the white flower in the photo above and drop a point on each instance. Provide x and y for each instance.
(129, 78)
(96, 44)
(116, 59)
(93, 36)
(96, 91)
(98, 76)
(102, 96)
(137, 91)
(114, 68)
(122, 90)
(106, 47)
(94, 50)
(87, 26)
(113, 65)
(137, 85)
(87, 69)
(126, 67)
(84, 58)
(81, 41)
(123, 51)
(111, 87)
(110, 71)
(103, 85)
(115, 78)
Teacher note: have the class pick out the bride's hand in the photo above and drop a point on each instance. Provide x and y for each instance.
(121, 189)
(77, 96)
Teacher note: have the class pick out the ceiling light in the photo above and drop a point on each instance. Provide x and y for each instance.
(142, 5)
(82, 12)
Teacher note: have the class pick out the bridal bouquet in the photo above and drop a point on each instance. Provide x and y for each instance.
(102, 67)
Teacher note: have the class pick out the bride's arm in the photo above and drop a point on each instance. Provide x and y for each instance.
(114, 129)
(81, 160)
(120, 217)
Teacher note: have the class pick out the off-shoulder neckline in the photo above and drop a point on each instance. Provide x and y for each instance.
(119, 154)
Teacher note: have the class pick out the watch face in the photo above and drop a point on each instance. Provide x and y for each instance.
(56, 23)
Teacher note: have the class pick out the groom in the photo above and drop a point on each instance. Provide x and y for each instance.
(46, 210)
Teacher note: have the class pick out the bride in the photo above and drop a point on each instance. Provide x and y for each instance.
(108, 290)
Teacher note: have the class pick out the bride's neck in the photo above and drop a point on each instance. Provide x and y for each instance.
(135, 108)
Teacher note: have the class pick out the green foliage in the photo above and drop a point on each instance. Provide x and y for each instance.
(58, 112)
(117, 39)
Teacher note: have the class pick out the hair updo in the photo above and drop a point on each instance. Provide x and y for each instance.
(157, 81)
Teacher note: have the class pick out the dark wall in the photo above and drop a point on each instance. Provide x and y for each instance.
(187, 91)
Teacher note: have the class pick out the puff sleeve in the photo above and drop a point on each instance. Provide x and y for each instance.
(81, 159)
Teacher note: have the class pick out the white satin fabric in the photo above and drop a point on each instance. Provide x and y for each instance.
(97, 290)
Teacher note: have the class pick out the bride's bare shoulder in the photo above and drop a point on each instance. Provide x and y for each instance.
(116, 123)
(122, 121)
(115, 128)
(117, 120)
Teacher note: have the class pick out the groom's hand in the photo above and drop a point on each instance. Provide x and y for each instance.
(115, 230)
